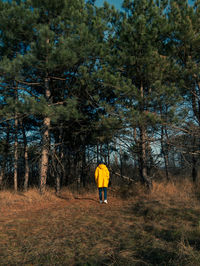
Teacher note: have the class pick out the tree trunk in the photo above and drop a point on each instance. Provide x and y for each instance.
(143, 143)
(194, 163)
(196, 111)
(26, 166)
(1, 176)
(143, 155)
(165, 153)
(108, 154)
(58, 184)
(45, 144)
(15, 154)
(83, 167)
(121, 162)
(97, 152)
(61, 155)
(5, 152)
(56, 169)
(16, 147)
(101, 153)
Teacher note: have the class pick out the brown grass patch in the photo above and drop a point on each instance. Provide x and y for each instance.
(135, 228)
(179, 192)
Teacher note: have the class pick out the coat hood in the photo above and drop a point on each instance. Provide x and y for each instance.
(102, 166)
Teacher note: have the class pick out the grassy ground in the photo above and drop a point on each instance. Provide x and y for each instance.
(135, 228)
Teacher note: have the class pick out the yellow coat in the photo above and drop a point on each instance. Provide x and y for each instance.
(102, 176)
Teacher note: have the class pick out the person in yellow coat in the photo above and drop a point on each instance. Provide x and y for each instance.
(102, 176)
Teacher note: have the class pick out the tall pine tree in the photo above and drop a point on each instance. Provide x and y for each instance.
(144, 73)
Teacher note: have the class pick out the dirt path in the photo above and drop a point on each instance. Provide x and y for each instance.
(22, 208)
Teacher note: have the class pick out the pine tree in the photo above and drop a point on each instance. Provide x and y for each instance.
(57, 68)
(144, 68)
(14, 38)
(184, 44)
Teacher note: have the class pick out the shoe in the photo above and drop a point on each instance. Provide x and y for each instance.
(101, 201)
(105, 201)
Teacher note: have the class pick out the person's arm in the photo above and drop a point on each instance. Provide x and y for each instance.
(108, 174)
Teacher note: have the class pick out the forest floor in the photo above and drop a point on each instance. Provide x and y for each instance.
(134, 228)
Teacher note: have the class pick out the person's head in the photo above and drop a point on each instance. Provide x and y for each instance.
(100, 162)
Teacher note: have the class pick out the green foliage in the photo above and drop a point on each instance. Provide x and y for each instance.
(185, 43)
(142, 57)
(102, 71)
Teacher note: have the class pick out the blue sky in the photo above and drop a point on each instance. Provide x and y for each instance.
(116, 3)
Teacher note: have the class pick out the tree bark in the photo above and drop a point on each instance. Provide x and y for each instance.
(83, 167)
(57, 184)
(45, 143)
(16, 148)
(97, 152)
(5, 152)
(195, 167)
(121, 162)
(1, 177)
(143, 143)
(143, 155)
(108, 154)
(61, 168)
(26, 174)
(165, 153)
(196, 111)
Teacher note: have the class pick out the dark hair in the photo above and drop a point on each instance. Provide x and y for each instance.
(100, 162)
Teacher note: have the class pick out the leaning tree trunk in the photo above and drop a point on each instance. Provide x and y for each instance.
(45, 143)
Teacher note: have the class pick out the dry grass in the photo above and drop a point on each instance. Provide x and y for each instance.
(135, 228)
(179, 192)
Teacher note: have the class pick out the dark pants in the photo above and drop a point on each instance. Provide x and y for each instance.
(104, 189)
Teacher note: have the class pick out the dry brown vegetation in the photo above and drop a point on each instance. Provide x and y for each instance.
(135, 228)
